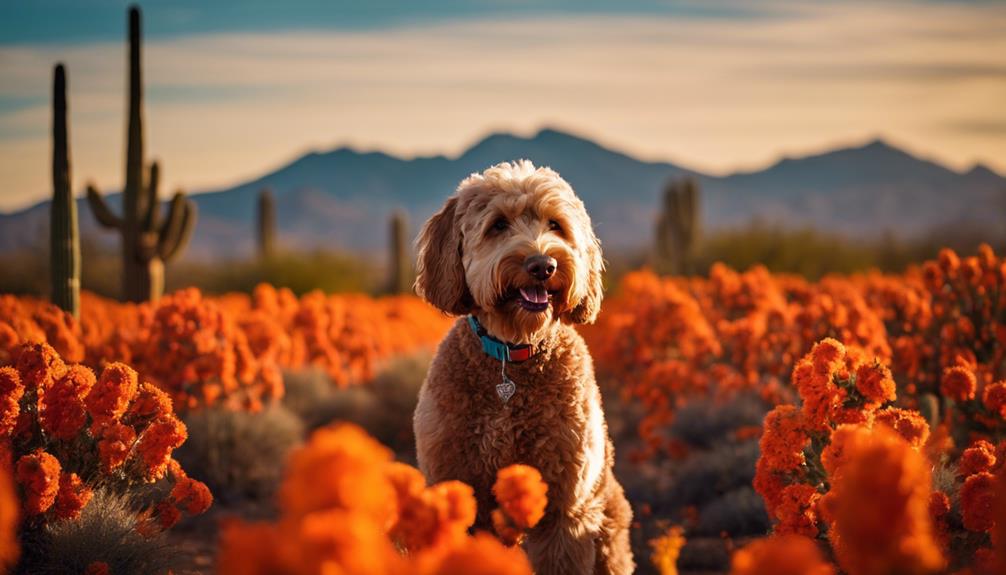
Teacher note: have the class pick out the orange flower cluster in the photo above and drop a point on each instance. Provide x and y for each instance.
(781, 555)
(667, 340)
(68, 430)
(666, 550)
(9, 516)
(347, 508)
(228, 350)
(877, 507)
(522, 497)
(837, 385)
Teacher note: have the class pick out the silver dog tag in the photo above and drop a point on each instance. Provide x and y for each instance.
(506, 389)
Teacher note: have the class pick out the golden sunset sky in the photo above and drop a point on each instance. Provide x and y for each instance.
(716, 87)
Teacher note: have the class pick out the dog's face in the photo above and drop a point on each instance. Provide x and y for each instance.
(515, 244)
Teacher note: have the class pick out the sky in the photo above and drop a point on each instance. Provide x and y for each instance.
(236, 89)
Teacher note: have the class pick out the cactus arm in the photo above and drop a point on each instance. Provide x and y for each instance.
(152, 205)
(100, 209)
(178, 227)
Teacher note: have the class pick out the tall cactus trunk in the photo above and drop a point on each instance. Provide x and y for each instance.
(64, 242)
(139, 283)
(266, 225)
(147, 241)
(678, 228)
(399, 263)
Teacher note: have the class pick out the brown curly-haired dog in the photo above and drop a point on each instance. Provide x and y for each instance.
(514, 248)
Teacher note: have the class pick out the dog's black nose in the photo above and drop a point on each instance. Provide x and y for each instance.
(540, 266)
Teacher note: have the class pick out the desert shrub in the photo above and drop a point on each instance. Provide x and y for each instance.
(738, 512)
(708, 474)
(109, 530)
(238, 454)
(703, 422)
(301, 272)
(383, 407)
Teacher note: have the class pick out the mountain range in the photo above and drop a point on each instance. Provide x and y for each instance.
(341, 199)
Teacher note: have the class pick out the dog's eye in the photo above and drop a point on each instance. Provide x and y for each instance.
(500, 224)
(554, 226)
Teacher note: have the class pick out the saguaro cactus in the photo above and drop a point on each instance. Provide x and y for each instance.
(400, 263)
(64, 239)
(266, 224)
(147, 241)
(678, 226)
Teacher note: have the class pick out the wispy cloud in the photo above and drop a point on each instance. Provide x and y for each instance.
(714, 93)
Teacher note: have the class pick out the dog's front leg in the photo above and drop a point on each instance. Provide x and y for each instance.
(562, 547)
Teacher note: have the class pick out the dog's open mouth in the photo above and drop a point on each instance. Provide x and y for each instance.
(533, 298)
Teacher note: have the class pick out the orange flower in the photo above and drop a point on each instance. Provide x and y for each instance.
(666, 550)
(939, 510)
(949, 262)
(978, 458)
(9, 518)
(797, 510)
(340, 467)
(61, 409)
(874, 381)
(252, 549)
(157, 442)
(72, 497)
(908, 424)
(780, 555)
(437, 517)
(115, 445)
(994, 398)
(150, 403)
(191, 496)
(505, 529)
(111, 395)
(784, 439)
(816, 388)
(344, 542)
(878, 505)
(406, 480)
(39, 365)
(521, 494)
(827, 356)
(38, 474)
(483, 555)
(978, 502)
(167, 515)
(11, 392)
(958, 383)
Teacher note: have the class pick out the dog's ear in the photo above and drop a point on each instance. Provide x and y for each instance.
(586, 311)
(440, 276)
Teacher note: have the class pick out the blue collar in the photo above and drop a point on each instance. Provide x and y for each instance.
(500, 350)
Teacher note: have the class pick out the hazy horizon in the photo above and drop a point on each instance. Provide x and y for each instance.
(717, 88)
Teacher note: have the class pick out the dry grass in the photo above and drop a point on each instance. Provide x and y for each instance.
(106, 531)
(239, 455)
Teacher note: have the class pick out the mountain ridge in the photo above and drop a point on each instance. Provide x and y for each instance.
(341, 197)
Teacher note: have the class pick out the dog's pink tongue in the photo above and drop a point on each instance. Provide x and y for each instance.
(534, 294)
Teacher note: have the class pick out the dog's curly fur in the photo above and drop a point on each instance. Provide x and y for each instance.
(471, 260)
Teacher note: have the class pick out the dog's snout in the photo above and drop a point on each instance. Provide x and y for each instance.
(540, 266)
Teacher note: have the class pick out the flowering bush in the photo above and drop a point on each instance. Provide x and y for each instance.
(9, 515)
(228, 350)
(68, 430)
(345, 507)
